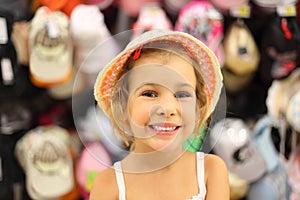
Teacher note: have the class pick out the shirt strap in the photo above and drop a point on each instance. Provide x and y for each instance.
(200, 172)
(120, 180)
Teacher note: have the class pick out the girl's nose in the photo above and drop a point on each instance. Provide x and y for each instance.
(167, 107)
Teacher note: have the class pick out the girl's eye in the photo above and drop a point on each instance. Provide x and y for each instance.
(182, 95)
(149, 94)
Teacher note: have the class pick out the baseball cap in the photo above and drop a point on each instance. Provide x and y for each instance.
(47, 162)
(232, 140)
(50, 47)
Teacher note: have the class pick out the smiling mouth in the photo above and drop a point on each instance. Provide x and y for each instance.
(164, 130)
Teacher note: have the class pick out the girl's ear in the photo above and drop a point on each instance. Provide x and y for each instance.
(125, 122)
(198, 109)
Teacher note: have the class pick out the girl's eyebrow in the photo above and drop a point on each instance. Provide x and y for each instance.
(185, 85)
(143, 85)
(180, 85)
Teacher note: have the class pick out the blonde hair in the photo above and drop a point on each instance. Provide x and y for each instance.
(120, 95)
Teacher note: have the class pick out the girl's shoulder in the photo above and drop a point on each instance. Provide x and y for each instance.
(104, 185)
(215, 167)
(216, 177)
(213, 159)
(213, 162)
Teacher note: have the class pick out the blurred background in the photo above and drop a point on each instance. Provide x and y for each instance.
(53, 138)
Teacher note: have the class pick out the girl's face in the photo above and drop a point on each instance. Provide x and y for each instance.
(162, 103)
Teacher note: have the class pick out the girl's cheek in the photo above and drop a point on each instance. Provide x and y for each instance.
(139, 115)
(188, 109)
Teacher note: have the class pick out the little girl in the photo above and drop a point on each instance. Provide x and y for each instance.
(158, 92)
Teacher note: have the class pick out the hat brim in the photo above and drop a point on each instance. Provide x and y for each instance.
(43, 185)
(46, 178)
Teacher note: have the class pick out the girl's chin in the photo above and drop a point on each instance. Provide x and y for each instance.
(164, 145)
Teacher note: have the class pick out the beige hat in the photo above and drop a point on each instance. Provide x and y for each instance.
(112, 72)
(50, 48)
(293, 111)
(241, 53)
(280, 93)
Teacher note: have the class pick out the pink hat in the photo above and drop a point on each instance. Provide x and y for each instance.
(151, 16)
(226, 5)
(93, 159)
(202, 20)
(132, 9)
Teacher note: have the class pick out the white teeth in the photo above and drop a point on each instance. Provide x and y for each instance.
(162, 128)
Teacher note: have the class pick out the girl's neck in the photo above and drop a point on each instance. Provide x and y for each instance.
(149, 162)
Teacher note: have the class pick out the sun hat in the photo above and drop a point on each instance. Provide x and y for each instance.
(111, 73)
(236, 146)
(43, 153)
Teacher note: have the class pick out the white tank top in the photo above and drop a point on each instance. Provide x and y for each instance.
(200, 177)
